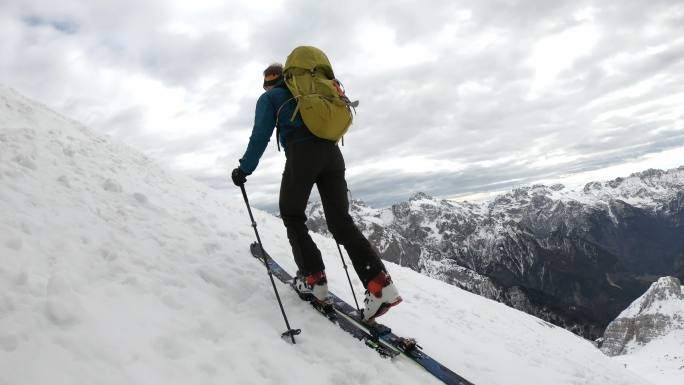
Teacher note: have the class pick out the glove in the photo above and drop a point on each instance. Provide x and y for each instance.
(239, 177)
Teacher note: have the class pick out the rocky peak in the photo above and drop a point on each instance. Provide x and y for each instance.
(650, 173)
(592, 186)
(420, 196)
(655, 314)
(357, 203)
(661, 292)
(665, 288)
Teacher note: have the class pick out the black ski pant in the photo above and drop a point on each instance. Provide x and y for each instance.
(320, 162)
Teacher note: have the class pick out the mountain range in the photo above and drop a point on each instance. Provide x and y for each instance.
(575, 257)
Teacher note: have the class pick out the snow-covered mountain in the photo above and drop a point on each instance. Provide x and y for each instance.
(114, 270)
(574, 257)
(649, 334)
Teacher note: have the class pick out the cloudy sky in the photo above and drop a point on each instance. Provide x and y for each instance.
(458, 98)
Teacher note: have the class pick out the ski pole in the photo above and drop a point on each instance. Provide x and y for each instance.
(264, 257)
(351, 198)
(348, 279)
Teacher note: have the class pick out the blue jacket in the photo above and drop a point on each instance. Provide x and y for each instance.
(265, 116)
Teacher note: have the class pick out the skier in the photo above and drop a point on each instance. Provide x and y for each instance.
(312, 160)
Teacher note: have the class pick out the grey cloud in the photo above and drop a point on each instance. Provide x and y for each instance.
(63, 26)
(381, 190)
(419, 110)
(133, 34)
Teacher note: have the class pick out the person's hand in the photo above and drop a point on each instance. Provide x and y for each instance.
(239, 177)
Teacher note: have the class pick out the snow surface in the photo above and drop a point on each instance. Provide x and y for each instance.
(114, 270)
(661, 360)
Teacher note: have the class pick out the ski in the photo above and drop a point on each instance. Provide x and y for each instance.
(408, 346)
(374, 333)
(329, 312)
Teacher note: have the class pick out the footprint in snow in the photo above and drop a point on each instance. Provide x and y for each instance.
(25, 162)
(69, 152)
(140, 198)
(64, 180)
(63, 310)
(112, 186)
(211, 248)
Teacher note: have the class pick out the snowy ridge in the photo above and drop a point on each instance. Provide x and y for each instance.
(648, 189)
(117, 271)
(643, 189)
(665, 296)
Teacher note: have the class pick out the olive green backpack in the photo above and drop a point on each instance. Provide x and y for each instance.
(325, 109)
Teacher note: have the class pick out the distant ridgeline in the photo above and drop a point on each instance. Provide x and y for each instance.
(575, 258)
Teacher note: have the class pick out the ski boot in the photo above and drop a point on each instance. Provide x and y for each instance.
(381, 295)
(313, 287)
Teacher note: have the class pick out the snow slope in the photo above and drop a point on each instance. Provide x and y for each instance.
(114, 270)
(661, 360)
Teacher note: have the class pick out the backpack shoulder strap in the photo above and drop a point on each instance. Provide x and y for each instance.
(278, 120)
(280, 84)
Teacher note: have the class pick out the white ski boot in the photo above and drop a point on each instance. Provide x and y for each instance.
(314, 286)
(381, 295)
